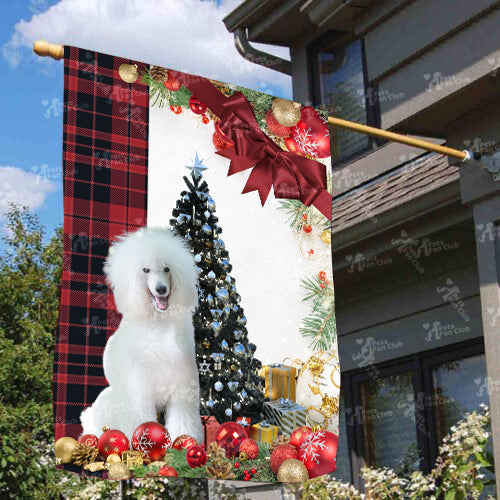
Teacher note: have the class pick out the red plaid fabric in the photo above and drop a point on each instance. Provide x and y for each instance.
(105, 164)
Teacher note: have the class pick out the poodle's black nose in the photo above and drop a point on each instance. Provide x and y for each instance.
(161, 289)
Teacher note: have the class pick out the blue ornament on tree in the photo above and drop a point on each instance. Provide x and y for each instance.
(222, 294)
(239, 349)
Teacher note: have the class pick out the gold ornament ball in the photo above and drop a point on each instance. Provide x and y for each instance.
(128, 72)
(292, 471)
(326, 237)
(286, 112)
(118, 470)
(113, 459)
(64, 449)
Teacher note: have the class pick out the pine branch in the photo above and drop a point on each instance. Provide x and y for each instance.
(295, 210)
(161, 96)
(320, 327)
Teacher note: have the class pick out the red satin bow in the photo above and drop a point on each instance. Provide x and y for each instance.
(290, 175)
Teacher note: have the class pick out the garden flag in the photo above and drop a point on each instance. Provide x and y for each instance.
(196, 326)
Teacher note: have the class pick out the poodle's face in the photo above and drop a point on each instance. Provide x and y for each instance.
(157, 280)
(152, 274)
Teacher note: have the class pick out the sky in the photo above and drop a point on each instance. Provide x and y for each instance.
(187, 35)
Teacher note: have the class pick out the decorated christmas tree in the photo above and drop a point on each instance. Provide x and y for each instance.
(229, 382)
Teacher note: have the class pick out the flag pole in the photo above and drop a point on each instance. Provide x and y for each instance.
(45, 49)
(392, 136)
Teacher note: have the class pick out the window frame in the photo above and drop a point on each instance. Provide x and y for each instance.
(338, 39)
(420, 364)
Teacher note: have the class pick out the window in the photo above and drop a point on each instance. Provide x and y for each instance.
(339, 85)
(397, 413)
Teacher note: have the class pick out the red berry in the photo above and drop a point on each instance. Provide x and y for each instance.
(327, 282)
(253, 471)
(322, 285)
(176, 109)
(322, 275)
(245, 472)
(307, 228)
(205, 119)
(237, 465)
(304, 217)
(246, 478)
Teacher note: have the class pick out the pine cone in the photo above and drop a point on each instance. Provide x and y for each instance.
(220, 469)
(222, 87)
(158, 74)
(84, 454)
(278, 441)
(215, 452)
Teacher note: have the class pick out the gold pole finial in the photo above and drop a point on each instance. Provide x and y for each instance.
(43, 48)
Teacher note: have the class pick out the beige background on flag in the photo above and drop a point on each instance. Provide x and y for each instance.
(265, 253)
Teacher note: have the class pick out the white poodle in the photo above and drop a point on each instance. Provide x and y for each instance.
(149, 361)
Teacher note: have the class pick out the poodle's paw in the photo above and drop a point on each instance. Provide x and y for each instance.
(88, 423)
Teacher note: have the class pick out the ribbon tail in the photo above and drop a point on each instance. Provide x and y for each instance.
(261, 180)
(323, 203)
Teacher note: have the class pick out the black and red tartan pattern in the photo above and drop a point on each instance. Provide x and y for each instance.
(105, 167)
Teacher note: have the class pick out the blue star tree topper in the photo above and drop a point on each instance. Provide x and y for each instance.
(197, 167)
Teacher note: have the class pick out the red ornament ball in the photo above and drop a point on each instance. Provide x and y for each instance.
(292, 146)
(205, 119)
(250, 447)
(152, 439)
(253, 471)
(112, 441)
(298, 436)
(275, 126)
(171, 83)
(281, 453)
(221, 141)
(184, 442)
(176, 109)
(196, 456)
(322, 285)
(229, 436)
(89, 440)
(307, 228)
(168, 471)
(311, 134)
(319, 453)
(237, 465)
(322, 275)
(246, 478)
(196, 106)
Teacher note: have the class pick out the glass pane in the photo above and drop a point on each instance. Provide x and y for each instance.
(342, 90)
(459, 387)
(343, 472)
(389, 427)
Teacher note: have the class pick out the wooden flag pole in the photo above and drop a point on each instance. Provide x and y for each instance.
(392, 136)
(45, 49)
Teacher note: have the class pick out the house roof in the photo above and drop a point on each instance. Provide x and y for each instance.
(282, 22)
(402, 185)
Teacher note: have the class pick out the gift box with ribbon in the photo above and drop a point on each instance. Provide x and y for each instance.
(210, 428)
(264, 432)
(246, 423)
(280, 381)
(286, 414)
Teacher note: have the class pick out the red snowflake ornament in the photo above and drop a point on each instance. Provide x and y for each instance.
(152, 439)
(318, 452)
(311, 134)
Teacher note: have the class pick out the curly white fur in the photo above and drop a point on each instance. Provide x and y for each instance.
(149, 361)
